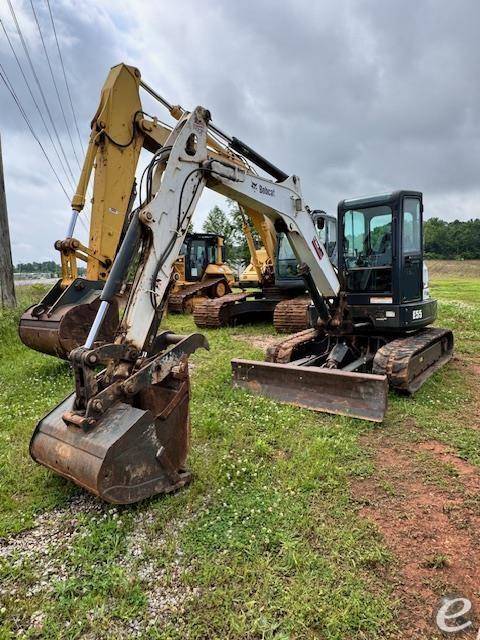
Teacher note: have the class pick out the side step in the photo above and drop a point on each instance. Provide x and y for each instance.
(357, 395)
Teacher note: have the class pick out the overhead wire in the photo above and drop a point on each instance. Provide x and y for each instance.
(37, 80)
(72, 108)
(65, 77)
(31, 127)
(10, 88)
(54, 82)
(35, 102)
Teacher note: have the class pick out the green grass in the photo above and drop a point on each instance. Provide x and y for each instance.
(265, 543)
(465, 290)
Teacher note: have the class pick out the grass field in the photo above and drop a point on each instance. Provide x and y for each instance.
(297, 525)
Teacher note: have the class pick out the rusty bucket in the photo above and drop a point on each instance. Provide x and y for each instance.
(62, 320)
(134, 451)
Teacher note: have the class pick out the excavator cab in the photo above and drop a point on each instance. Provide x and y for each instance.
(199, 251)
(200, 272)
(381, 260)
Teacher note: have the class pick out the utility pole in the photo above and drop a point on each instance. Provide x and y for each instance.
(7, 288)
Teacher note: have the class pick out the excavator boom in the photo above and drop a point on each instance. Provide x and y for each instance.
(124, 433)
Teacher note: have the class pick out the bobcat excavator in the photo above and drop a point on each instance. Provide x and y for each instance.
(120, 129)
(124, 433)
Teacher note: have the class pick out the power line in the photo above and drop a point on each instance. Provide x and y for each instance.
(67, 86)
(54, 82)
(4, 77)
(35, 103)
(27, 53)
(65, 77)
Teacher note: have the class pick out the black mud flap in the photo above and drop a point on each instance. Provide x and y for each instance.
(357, 395)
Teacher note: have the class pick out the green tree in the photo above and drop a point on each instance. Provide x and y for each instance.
(242, 250)
(218, 221)
(457, 240)
(229, 224)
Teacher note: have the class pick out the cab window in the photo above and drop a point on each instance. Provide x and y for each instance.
(412, 232)
(367, 248)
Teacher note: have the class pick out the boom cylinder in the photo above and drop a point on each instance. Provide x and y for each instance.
(116, 276)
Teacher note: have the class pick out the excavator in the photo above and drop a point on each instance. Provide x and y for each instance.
(200, 272)
(124, 432)
(120, 129)
(282, 297)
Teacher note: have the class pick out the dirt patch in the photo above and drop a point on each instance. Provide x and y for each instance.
(431, 530)
(261, 342)
(438, 269)
(469, 475)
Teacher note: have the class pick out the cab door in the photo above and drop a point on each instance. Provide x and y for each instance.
(411, 256)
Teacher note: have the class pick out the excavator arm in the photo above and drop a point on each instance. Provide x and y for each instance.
(261, 260)
(119, 131)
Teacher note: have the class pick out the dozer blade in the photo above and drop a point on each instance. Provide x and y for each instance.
(132, 452)
(358, 395)
(61, 322)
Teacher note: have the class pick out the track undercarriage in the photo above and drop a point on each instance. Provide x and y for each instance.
(255, 306)
(347, 374)
(184, 300)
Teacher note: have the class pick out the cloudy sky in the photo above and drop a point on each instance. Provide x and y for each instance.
(355, 96)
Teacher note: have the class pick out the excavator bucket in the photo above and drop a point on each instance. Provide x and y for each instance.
(62, 320)
(133, 452)
(358, 395)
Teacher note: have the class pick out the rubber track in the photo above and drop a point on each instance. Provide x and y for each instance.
(215, 313)
(291, 315)
(282, 352)
(396, 358)
(177, 300)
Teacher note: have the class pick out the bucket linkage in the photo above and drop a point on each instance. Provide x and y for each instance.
(124, 434)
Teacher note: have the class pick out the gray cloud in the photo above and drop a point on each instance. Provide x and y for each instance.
(355, 96)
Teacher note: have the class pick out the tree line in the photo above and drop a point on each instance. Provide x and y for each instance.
(47, 267)
(457, 240)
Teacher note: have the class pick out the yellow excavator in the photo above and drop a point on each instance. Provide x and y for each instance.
(120, 129)
(260, 269)
(251, 275)
(200, 272)
(282, 298)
